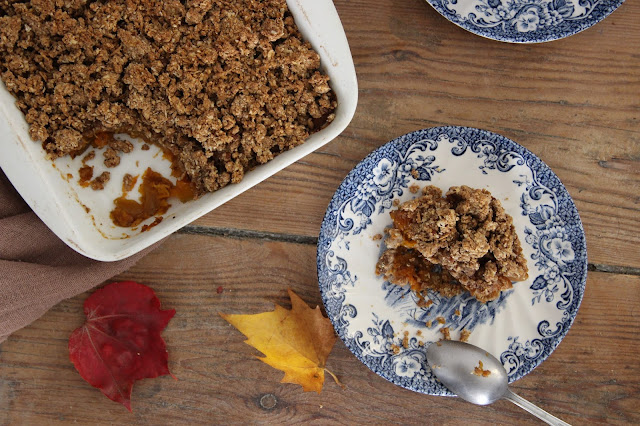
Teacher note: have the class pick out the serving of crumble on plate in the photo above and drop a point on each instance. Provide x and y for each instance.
(386, 325)
(462, 242)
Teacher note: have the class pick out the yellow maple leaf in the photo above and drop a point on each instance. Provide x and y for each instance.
(296, 341)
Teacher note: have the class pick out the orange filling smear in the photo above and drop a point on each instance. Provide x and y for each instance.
(401, 221)
(405, 269)
(183, 191)
(86, 173)
(102, 139)
(176, 171)
(155, 192)
(151, 225)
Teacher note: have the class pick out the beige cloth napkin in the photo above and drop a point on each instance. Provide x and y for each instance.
(37, 270)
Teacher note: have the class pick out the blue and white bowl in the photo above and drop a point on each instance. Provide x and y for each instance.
(525, 21)
(381, 322)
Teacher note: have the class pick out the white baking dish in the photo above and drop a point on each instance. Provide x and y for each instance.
(62, 203)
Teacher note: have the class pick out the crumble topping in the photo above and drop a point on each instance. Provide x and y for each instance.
(98, 183)
(128, 182)
(90, 156)
(462, 242)
(222, 85)
(480, 371)
(111, 157)
(446, 334)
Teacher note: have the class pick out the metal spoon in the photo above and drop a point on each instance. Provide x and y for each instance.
(457, 366)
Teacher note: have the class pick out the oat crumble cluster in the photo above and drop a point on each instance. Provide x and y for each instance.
(464, 241)
(223, 85)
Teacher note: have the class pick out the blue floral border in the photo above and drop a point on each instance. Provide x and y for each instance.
(532, 21)
(554, 224)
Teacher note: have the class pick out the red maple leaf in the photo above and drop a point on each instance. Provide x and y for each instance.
(120, 342)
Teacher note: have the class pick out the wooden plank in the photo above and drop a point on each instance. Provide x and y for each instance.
(573, 102)
(592, 377)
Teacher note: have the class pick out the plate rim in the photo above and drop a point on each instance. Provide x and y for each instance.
(322, 239)
(584, 25)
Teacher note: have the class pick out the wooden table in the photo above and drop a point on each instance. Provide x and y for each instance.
(574, 102)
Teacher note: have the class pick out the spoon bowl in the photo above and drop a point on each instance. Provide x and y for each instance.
(451, 361)
(477, 376)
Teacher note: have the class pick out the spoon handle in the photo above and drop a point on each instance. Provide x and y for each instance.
(533, 409)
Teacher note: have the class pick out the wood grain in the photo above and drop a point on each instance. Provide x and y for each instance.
(573, 102)
(592, 377)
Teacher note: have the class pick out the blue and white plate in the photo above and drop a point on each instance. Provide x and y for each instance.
(381, 322)
(525, 21)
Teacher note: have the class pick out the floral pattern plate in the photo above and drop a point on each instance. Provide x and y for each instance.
(381, 322)
(525, 21)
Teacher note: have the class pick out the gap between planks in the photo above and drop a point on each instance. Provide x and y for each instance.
(247, 234)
